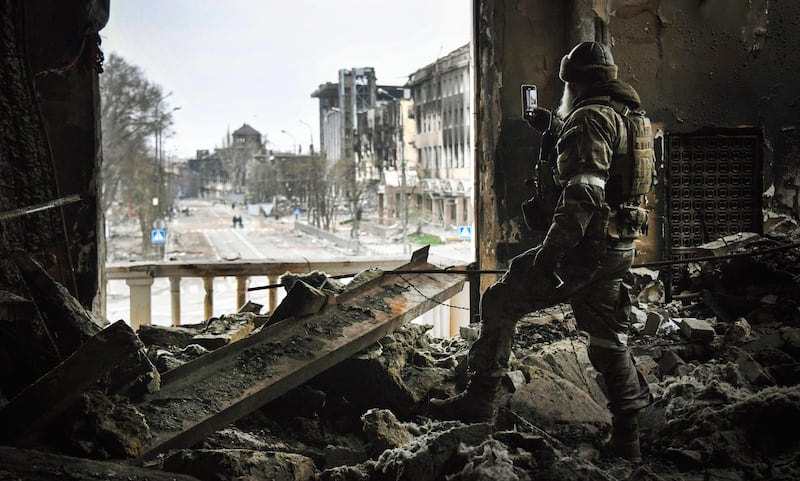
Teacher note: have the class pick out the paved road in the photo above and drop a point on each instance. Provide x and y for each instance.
(207, 234)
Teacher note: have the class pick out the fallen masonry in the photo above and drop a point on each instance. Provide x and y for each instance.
(725, 390)
(215, 390)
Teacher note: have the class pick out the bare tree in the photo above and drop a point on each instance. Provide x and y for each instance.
(324, 193)
(344, 172)
(132, 112)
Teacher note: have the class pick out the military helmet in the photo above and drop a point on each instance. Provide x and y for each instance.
(587, 63)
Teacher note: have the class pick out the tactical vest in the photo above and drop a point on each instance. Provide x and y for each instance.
(632, 172)
(633, 168)
(631, 175)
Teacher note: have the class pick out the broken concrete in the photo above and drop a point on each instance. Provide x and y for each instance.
(301, 300)
(99, 426)
(556, 405)
(696, 329)
(653, 322)
(50, 396)
(360, 419)
(200, 397)
(218, 332)
(384, 431)
(426, 458)
(239, 464)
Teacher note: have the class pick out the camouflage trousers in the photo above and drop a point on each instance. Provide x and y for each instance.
(600, 302)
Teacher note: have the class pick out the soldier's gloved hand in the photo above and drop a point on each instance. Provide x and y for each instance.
(547, 258)
(539, 118)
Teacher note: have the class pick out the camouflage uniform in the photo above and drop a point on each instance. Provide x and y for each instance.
(592, 265)
(578, 247)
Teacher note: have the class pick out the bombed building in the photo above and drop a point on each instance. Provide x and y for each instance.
(333, 382)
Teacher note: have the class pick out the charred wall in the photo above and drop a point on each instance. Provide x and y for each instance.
(514, 44)
(698, 65)
(50, 136)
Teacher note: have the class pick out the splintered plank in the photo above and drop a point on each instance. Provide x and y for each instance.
(57, 390)
(206, 395)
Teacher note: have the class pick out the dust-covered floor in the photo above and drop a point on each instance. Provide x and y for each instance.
(721, 360)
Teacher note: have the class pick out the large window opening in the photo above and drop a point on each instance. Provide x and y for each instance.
(316, 138)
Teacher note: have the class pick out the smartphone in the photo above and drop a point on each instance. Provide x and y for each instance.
(530, 99)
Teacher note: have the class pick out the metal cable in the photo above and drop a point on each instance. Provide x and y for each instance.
(468, 272)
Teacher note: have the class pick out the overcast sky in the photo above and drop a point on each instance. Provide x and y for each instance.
(229, 62)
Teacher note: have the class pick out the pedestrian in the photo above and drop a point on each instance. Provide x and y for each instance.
(589, 246)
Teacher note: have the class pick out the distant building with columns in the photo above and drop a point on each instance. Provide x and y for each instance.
(441, 93)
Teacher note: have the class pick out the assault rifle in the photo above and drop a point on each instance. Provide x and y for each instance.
(538, 209)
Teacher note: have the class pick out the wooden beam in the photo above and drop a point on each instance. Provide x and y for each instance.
(65, 318)
(194, 403)
(53, 393)
(29, 464)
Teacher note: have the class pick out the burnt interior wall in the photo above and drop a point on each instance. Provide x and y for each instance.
(718, 64)
(515, 43)
(50, 136)
(697, 65)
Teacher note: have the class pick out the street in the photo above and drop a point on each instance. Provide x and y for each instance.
(207, 233)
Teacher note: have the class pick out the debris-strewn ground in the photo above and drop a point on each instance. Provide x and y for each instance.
(721, 359)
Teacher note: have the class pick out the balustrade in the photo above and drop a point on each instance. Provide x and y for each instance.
(140, 276)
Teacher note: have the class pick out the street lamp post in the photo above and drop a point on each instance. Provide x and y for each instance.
(403, 199)
(294, 141)
(310, 137)
(159, 144)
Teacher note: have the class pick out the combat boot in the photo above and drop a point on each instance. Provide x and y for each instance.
(625, 436)
(474, 404)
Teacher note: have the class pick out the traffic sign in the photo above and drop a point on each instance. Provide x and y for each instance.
(158, 236)
(465, 232)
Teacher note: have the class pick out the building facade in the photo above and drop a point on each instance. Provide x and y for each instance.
(353, 130)
(395, 133)
(230, 168)
(410, 147)
(441, 92)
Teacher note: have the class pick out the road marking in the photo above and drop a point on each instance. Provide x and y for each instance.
(211, 243)
(249, 245)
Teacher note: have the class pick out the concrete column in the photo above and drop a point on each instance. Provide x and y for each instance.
(140, 301)
(460, 220)
(447, 214)
(241, 291)
(175, 298)
(381, 207)
(208, 284)
(459, 310)
(391, 201)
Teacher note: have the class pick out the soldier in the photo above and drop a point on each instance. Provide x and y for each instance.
(583, 246)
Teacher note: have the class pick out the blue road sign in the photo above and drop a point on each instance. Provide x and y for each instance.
(465, 232)
(158, 236)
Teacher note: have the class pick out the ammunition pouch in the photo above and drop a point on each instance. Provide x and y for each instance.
(535, 214)
(628, 222)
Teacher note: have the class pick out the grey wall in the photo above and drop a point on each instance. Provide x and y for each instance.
(697, 64)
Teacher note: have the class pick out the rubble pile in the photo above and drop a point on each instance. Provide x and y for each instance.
(721, 358)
